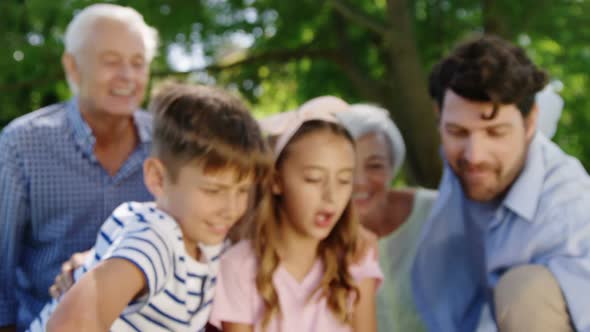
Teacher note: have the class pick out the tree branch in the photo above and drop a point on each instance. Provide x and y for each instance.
(265, 57)
(357, 76)
(359, 17)
(369, 88)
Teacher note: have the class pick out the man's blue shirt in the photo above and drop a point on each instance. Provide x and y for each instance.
(54, 195)
(543, 219)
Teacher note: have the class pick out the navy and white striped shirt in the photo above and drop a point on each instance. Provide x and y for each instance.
(180, 289)
(54, 195)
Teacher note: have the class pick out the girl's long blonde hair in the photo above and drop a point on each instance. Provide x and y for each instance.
(336, 251)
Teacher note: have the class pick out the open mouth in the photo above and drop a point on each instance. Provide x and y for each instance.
(324, 219)
(123, 92)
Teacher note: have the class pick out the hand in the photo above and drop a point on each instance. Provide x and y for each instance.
(367, 241)
(65, 280)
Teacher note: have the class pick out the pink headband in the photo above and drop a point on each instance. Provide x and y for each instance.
(285, 125)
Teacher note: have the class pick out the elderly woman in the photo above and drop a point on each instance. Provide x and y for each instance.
(396, 216)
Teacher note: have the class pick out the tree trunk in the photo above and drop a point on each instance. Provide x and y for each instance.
(410, 103)
(493, 20)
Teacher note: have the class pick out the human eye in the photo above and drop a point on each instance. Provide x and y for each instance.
(312, 179)
(211, 190)
(110, 60)
(313, 175)
(346, 181)
(498, 132)
(456, 131)
(245, 189)
(377, 166)
(138, 63)
(345, 178)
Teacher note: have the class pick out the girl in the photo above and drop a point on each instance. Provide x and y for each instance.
(295, 269)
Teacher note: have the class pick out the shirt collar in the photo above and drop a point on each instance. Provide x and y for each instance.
(83, 134)
(523, 196)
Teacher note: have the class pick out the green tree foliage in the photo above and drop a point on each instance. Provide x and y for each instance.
(279, 53)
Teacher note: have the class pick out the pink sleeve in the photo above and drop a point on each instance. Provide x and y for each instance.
(368, 268)
(235, 289)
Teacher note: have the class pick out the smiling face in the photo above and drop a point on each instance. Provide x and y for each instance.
(486, 154)
(374, 170)
(205, 205)
(111, 70)
(314, 182)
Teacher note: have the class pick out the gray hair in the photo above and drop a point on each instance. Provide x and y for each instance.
(78, 29)
(362, 119)
(81, 25)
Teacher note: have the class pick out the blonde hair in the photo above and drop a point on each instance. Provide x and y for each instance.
(336, 251)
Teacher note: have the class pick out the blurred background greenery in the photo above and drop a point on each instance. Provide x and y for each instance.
(279, 53)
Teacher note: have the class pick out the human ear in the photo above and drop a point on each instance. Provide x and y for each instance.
(71, 68)
(154, 174)
(277, 185)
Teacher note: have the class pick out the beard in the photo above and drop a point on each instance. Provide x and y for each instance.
(485, 182)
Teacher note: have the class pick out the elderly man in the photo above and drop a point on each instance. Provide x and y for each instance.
(509, 234)
(65, 167)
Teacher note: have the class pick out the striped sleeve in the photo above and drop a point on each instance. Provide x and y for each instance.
(148, 249)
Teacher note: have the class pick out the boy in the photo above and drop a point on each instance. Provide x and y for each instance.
(154, 264)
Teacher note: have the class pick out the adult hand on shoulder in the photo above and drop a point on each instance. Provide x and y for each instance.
(65, 280)
(367, 242)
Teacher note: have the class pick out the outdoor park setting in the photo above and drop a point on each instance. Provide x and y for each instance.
(273, 165)
(279, 53)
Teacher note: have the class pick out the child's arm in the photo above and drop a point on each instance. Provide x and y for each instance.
(99, 297)
(236, 327)
(364, 316)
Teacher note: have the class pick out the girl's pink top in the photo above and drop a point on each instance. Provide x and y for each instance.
(237, 299)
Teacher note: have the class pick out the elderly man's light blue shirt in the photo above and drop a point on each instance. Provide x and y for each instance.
(54, 195)
(543, 219)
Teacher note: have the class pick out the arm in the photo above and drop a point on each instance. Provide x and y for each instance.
(235, 327)
(367, 242)
(99, 297)
(364, 316)
(14, 215)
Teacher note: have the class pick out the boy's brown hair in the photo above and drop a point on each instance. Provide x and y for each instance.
(208, 127)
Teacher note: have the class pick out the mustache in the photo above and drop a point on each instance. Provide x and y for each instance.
(465, 165)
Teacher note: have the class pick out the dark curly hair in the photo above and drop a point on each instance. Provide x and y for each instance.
(488, 69)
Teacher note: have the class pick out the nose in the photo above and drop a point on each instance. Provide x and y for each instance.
(126, 70)
(232, 208)
(328, 191)
(360, 177)
(474, 150)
